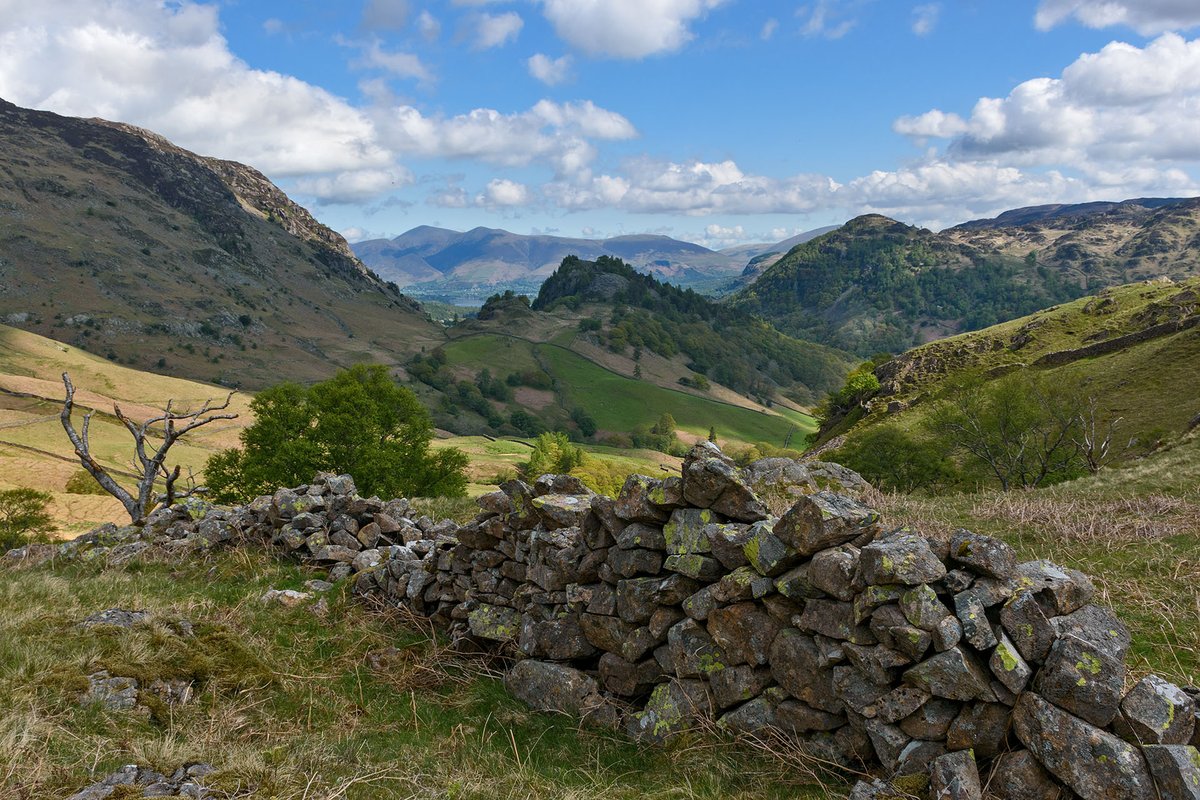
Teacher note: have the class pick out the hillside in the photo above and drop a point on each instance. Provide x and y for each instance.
(1097, 244)
(1132, 348)
(880, 285)
(113, 239)
(465, 268)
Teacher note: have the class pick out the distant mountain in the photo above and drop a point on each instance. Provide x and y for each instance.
(876, 284)
(117, 241)
(758, 257)
(469, 266)
(1098, 244)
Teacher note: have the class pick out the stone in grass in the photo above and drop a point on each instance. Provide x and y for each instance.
(954, 675)
(1093, 763)
(1079, 678)
(744, 632)
(823, 520)
(673, 708)
(983, 554)
(902, 557)
(753, 716)
(1176, 770)
(1017, 775)
(113, 693)
(288, 598)
(553, 687)
(955, 776)
(1156, 712)
(496, 623)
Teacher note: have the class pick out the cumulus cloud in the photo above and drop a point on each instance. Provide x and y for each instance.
(354, 186)
(550, 71)
(626, 28)
(494, 30)
(501, 192)
(1124, 104)
(428, 26)
(925, 18)
(1147, 17)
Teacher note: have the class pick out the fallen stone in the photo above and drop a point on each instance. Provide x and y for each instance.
(554, 687)
(289, 598)
(1156, 712)
(113, 693)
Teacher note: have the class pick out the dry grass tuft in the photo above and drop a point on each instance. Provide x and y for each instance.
(1130, 519)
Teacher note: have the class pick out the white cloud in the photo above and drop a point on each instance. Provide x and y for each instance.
(385, 15)
(428, 26)
(768, 29)
(494, 30)
(925, 18)
(354, 186)
(825, 18)
(501, 192)
(450, 197)
(626, 28)
(1147, 17)
(403, 65)
(1123, 105)
(550, 71)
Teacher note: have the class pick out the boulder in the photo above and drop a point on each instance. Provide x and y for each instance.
(554, 687)
(1156, 712)
(955, 776)
(954, 675)
(673, 707)
(823, 520)
(903, 558)
(1093, 763)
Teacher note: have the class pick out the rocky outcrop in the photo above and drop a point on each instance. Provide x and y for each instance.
(684, 601)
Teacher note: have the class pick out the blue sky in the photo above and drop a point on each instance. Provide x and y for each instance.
(718, 121)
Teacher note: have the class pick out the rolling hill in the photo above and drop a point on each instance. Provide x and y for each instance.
(465, 268)
(113, 239)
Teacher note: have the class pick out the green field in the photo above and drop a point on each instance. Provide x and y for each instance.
(621, 404)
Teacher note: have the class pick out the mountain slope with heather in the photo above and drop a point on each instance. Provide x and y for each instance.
(114, 240)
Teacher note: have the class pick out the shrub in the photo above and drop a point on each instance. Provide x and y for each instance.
(23, 517)
(553, 453)
(893, 460)
(82, 482)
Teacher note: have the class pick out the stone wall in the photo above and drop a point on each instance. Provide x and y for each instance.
(768, 598)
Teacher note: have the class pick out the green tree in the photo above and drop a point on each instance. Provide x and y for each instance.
(712, 434)
(1022, 429)
(358, 422)
(553, 453)
(22, 512)
(894, 460)
(665, 425)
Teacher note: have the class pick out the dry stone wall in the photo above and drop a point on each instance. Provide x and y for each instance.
(769, 598)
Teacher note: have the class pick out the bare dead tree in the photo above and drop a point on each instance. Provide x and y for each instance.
(149, 461)
(1095, 435)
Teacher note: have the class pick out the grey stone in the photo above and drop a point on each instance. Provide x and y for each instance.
(115, 617)
(767, 553)
(955, 776)
(922, 608)
(628, 563)
(641, 535)
(626, 678)
(794, 716)
(796, 585)
(554, 687)
(954, 674)
(918, 756)
(744, 632)
(1008, 666)
(1098, 626)
(685, 531)
(744, 583)
(562, 510)
(977, 631)
(878, 664)
(114, 693)
(674, 589)
(823, 520)
(834, 619)
(896, 705)
(1093, 763)
(634, 502)
(712, 480)
(496, 623)
(795, 665)
(695, 566)
(947, 634)
(1156, 712)
(1019, 776)
(904, 558)
(1066, 589)
(932, 720)
(635, 598)
(888, 741)
(983, 554)
(1082, 679)
(1026, 620)
(738, 684)
(751, 717)
(832, 571)
(673, 707)
(725, 543)
(699, 605)
(1176, 770)
(981, 727)
(693, 651)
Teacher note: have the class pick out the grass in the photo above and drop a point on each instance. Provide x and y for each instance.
(291, 703)
(621, 404)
